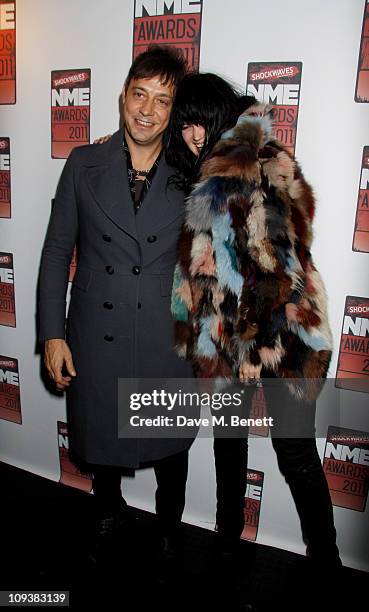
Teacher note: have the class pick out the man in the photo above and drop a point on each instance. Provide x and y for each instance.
(114, 201)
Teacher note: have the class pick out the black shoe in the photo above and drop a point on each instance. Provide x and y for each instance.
(227, 547)
(169, 558)
(106, 534)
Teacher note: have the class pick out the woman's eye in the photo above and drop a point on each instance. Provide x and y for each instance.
(163, 102)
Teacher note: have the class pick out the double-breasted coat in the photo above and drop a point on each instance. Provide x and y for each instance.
(119, 322)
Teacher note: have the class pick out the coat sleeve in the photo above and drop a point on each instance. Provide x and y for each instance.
(181, 306)
(196, 304)
(292, 336)
(56, 255)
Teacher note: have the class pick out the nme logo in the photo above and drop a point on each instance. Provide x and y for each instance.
(5, 162)
(169, 22)
(69, 474)
(10, 407)
(280, 94)
(6, 276)
(278, 84)
(149, 8)
(346, 466)
(11, 378)
(357, 326)
(7, 294)
(346, 453)
(80, 96)
(254, 492)
(63, 441)
(5, 195)
(7, 16)
(353, 359)
(70, 110)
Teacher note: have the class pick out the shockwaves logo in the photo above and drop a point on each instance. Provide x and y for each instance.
(361, 231)
(346, 466)
(7, 52)
(7, 296)
(70, 110)
(69, 474)
(254, 492)
(170, 22)
(5, 199)
(362, 80)
(278, 84)
(10, 407)
(353, 359)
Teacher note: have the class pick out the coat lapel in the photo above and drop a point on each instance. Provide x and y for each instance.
(163, 203)
(108, 183)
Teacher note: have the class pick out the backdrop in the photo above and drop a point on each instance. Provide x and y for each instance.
(62, 65)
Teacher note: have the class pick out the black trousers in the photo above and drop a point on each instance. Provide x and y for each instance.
(299, 463)
(171, 477)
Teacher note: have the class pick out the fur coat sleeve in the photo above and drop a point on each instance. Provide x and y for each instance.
(245, 286)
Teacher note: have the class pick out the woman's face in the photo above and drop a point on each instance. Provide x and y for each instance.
(194, 137)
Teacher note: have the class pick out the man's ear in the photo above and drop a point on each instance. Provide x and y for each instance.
(123, 94)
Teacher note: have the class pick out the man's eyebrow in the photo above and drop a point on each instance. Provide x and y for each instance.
(159, 95)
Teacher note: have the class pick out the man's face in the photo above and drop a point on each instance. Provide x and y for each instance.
(147, 105)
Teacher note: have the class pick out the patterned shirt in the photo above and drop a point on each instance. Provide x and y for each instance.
(139, 187)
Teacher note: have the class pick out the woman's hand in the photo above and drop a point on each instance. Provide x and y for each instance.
(249, 373)
(102, 139)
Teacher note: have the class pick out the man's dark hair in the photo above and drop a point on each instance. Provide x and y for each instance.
(159, 60)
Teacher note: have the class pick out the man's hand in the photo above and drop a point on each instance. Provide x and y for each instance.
(57, 354)
(249, 373)
(102, 139)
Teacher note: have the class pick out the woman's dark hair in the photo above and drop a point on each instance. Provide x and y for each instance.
(158, 60)
(201, 99)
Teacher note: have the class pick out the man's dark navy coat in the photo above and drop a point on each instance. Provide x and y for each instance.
(119, 322)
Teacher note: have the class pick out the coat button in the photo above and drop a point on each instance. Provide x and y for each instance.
(109, 269)
(106, 237)
(108, 305)
(136, 270)
(151, 239)
(108, 338)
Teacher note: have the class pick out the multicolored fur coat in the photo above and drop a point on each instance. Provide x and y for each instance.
(245, 287)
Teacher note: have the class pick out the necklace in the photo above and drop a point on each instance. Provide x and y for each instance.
(135, 173)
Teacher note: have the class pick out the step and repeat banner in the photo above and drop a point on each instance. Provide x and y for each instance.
(62, 67)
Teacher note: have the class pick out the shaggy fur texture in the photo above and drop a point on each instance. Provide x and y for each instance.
(246, 289)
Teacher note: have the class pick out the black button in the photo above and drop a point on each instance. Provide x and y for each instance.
(139, 305)
(136, 270)
(108, 338)
(151, 239)
(107, 238)
(109, 269)
(108, 305)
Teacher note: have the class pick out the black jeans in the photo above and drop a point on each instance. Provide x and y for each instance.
(171, 476)
(300, 464)
(230, 454)
(298, 461)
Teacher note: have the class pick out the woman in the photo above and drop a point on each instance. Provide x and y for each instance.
(247, 299)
